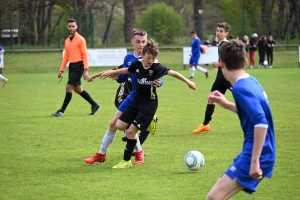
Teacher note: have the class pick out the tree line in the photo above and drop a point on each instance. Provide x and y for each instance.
(36, 26)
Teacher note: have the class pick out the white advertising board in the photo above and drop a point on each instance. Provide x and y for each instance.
(210, 56)
(2, 61)
(106, 57)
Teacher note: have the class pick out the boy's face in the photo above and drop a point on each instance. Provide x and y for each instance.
(148, 59)
(72, 27)
(193, 35)
(138, 43)
(221, 34)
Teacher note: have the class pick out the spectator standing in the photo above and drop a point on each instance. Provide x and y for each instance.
(4, 80)
(208, 44)
(252, 49)
(215, 42)
(262, 47)
(245, 40)
(270, 45)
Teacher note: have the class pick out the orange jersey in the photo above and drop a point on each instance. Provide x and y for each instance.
(75, 51)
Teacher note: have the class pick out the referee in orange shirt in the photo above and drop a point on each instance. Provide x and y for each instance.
(76, 54)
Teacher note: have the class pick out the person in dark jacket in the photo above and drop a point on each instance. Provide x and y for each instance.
(252, 49)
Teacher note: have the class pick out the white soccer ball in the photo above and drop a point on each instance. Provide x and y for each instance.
(194, 160)
(265, 63)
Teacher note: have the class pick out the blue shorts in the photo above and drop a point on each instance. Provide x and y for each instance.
(127, 102)
(194, 60)
(240, 170)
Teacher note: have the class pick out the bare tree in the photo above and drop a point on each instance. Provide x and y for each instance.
(109, 22)
(129, 18)
(79, 13)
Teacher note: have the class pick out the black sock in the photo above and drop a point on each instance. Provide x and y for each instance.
(88, 98)
(67, 100)
(143, 136)
(208, 113)
(129, 149)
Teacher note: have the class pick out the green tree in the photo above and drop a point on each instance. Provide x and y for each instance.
(161, 22)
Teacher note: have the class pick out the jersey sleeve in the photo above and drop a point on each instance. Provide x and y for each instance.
(123, 77)
(160, 71)
(251, 105)
(133, 66)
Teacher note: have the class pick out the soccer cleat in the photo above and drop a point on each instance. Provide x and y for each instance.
(206, 74)
(139, 158)
(98, 157)
(95, 109)
(152, 125)
(191, 77)
(4, 82)
(202, 128)
(58, 114)
(123, 164)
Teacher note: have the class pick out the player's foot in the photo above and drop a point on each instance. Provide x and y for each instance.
(191, 77)
(123, 164)
(206, 74)
(152, 125)
(98, 157)
(95, 109)
(145, 154)
(58, 114)
(139, 158)
(202, 128)
(4, 82)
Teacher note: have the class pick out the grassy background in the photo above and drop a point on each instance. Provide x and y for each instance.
(42, 157)
(49, 62)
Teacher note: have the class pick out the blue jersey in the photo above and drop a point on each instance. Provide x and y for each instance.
(1, 48)
(128, 60)
(254, 111)
(196, 47)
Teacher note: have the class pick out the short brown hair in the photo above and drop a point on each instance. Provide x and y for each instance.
(151, 48)
(233, 54)
(224, 25)
(138, 31)
(194, 32)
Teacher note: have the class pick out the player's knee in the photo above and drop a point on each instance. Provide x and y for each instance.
(210, 196)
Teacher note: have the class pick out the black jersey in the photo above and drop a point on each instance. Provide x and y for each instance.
(146, 76)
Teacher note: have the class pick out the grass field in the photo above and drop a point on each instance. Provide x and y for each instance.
(42, 157)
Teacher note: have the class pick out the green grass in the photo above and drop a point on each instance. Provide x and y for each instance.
(49, 62)
(42, 157)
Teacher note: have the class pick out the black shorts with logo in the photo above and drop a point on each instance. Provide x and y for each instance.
(140, 113)
(75, 73)
(221, 84)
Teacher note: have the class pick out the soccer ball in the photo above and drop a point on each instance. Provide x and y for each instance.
(194, 160)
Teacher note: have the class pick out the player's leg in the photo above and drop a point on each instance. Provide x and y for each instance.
(77, 74)
(67, 100)
(219, 85)
(131, 142)
(224, 188)
(108, 138)
(4, 80)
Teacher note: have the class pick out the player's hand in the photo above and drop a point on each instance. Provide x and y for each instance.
(219, 98)
(90, 78)
(60, 74)
(192, 85)
(156, 83)
(215, 64)
(114, 76)
(105, 74)
(255, 170)
(85, 74)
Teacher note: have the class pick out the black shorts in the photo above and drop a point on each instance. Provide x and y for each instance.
(75, 73)
(140, 113)
(221, 84)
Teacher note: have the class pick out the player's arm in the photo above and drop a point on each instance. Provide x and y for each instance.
(260, 133)
(109, 73)
(179, 76)
(219, 98)
(64, 62)
(1, 52)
